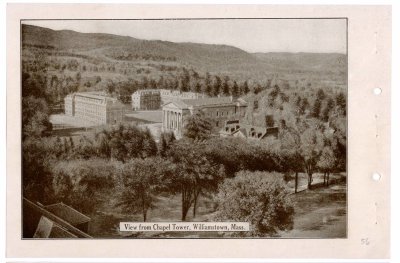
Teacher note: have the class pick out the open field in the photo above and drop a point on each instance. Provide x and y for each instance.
(64, 125)
(152, 116)
(319, 213)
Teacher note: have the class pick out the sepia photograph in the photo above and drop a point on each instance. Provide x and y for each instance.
(184, 128)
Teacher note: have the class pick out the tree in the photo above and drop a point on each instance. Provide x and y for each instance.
(195, 174)
(304, 106)
(197, 87)
(197, 126)
(320, 94)
(35, 117)
(341, 103)
(316, 109)
(216, 87)
(326, 163)
(259, 198)
(288, 151)
(85, 184)
(311, 147)
(149, 144)
(245, 88)
(36, 172)
(327, 109)
(141, 182)
(225, 86)
(207, 88)
(166, 140)
(234, 89)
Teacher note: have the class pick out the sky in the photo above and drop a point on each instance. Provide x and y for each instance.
(251, 35)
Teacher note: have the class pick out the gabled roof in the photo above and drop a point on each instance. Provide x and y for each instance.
(48, 229)
(178, 103)
(45, 226)
(67, 213)
(204, 102)
(241, 102)
(208, 101)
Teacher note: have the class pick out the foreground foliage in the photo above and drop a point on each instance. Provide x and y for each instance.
(259, 198)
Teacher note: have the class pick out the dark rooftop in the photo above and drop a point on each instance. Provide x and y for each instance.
(67, 213)
(208, 101)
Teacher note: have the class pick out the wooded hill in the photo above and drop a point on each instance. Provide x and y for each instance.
(95, 48)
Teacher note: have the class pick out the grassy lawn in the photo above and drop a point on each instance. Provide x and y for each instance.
(150, 116)
(319, 213)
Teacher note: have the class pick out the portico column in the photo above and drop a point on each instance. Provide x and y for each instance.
(180, 121)
(168, 120)
(164, 119)
(176, 126)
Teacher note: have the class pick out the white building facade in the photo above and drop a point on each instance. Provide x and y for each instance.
(217, 110)
(96, 108)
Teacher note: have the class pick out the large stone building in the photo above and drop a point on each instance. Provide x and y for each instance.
(148, 99)
(173, 95)
(152, 99)
(218, 110)
(95, 108)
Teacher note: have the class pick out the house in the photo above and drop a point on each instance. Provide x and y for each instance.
(53, 221)
(236, 128)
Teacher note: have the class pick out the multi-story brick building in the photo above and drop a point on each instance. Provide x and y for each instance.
(172, 95)
(96, 108)
(218, 110)
(153, 99)
(148, 99)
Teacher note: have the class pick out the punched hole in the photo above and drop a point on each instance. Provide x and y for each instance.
(377, 91)
(376, 176)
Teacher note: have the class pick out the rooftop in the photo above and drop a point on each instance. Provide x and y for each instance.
(67, 213)
(48, 229)
(94, 95)
(208, 101)
(52, 225)
(248, 131)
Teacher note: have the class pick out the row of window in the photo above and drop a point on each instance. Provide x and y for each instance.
(220, 114)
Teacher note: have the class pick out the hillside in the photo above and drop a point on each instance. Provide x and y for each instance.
(202, 56)
(205, 57)
(305, 61)
(92, 61)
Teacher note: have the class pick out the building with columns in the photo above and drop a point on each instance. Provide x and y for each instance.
(218, 110)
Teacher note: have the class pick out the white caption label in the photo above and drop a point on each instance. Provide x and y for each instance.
(184, 226)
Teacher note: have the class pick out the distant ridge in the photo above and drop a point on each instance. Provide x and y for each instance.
(204, 57)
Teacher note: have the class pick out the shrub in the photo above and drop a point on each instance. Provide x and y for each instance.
(259, 198)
